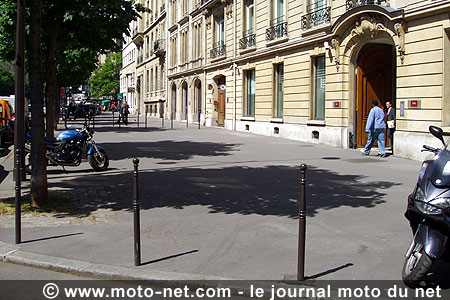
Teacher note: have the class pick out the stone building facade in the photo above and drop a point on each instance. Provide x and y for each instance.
(309, 69)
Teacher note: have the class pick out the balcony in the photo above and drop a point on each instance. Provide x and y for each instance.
(159, 48)
(218, 50)
(248, 40)
(350, 4)
(162, 9)
(318, 14)
(277, 29)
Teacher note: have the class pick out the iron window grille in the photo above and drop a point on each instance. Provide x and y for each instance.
(318, 14)
(218, 50)
(248, 40)
(277, 29)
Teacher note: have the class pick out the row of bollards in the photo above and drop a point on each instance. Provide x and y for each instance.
(145, 120)
(301, 214)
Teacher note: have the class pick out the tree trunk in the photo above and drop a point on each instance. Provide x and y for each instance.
(50, 71)
(39, 192)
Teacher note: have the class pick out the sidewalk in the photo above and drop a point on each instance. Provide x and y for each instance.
(220, 204)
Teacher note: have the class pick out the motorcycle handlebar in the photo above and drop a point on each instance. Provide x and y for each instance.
(431, 149)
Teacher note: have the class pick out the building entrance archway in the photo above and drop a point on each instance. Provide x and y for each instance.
(375, 80)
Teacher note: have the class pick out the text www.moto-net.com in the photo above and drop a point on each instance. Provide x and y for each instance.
(51, 291)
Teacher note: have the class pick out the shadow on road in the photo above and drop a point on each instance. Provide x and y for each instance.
(271, 190)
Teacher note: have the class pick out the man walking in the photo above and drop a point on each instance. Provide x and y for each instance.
(375, 127)
(390, 120)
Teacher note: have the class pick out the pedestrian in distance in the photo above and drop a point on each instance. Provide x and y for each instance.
(375, 127)
(390, 120)
(119, 109)
(125, 112)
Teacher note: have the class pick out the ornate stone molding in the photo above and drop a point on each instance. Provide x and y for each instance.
(229, 10)
(368, 27)
(400, 29)
(335, 45)
(208, 21)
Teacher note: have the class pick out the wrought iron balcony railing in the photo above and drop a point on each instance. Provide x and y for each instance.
(159, 47)
(317, 14)
(218, 50)
(162, 9)
(355, 3)
(277, 29)
(248, 40)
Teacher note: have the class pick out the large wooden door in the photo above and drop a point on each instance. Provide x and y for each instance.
(374, 81)
(221, 103)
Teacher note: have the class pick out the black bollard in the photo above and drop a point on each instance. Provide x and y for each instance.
(146, 120)
(302, 225)
(199, 118)
(162, 121)
(18, 199)
(93, 120)
(171, 121)
(137, 225)
(137, 117)
(113, 117)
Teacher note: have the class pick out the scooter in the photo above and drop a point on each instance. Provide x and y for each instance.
(428, 213)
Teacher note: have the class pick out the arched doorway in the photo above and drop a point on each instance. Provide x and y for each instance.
(197, 100)
(174, 101)
(375, 80)
(184, 101)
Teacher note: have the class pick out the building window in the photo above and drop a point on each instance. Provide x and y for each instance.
(250, 88)
(151, 80)
(279, 90)
(317, 13)
(220, 29)
(147, 82)
(319, 88)
(248, 36)
(278, 24)
(156, 79)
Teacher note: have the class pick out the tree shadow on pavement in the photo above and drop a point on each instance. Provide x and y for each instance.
(271, 190)
(167, 150)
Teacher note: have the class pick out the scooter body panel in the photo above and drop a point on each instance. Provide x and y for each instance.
(433, 241)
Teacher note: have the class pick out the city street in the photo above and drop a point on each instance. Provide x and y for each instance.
(221, 203)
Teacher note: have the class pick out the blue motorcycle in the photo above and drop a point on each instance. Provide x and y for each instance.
(69, 147)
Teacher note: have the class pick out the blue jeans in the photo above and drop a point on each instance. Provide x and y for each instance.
(379, 135)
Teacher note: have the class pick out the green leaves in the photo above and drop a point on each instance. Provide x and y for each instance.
(105, 80)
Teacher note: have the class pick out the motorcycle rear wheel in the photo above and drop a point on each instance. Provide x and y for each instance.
(416, 267)
(99, 161)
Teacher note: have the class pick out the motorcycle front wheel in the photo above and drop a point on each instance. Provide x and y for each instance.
(99, 161)
(416, 267)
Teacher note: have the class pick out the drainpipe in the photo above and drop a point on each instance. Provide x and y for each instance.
(234, 64)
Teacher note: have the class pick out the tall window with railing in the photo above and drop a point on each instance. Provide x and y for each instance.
(218, 48)
(278, 25)
(248, 35)
(317, 13)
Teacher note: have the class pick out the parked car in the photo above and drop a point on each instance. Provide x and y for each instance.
(6, 122)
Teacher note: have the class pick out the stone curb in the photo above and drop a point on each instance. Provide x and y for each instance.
(12, 254)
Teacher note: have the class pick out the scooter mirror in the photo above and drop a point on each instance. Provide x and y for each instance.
(437, 132)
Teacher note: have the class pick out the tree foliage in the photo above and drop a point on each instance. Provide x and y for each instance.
(6, 81)
(105, 80)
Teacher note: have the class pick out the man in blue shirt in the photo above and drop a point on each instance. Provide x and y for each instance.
(375, 127)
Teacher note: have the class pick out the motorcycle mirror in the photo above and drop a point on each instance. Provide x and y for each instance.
(437, 132)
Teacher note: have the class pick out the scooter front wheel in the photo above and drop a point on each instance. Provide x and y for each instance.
(416, 266)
